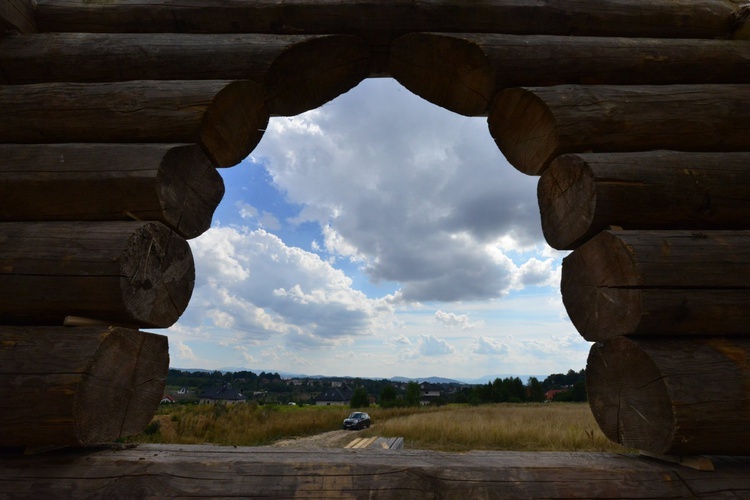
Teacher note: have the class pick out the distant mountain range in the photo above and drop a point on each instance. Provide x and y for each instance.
(430, 380)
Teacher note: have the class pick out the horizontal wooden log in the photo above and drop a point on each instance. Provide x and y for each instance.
(130, 273)
(78, 386)
(299, 72)
(659, 283)
(580, 195)
(202, 471)
(464, 72)
(227, 119)
(172, 184)
(672, 396)
(17, 16)
(659, 18)
(533, 126)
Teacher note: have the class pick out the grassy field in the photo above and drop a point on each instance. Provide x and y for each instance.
(517, 427)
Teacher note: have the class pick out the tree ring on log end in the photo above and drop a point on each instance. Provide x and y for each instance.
(106, 388)
(234, 123)
(673, 396)
(524, 129)
(628, 396)
(567, 197)
(157, 275)
(596, 289)
(457, 76)
(310, 73)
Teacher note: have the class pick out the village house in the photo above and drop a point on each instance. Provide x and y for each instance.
(428, 393)
(339, 394)
(225, 394)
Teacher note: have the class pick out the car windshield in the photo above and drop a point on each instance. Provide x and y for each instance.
(355, 415)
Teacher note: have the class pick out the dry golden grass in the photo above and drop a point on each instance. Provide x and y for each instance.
(238, 425)
(512, 427)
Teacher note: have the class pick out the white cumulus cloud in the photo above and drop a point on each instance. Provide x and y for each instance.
(461, 321)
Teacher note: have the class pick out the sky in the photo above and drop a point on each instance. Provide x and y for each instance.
(377, 236)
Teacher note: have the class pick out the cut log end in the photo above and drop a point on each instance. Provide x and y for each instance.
(448, 71)
(600, 313)
(524, 129)
(596, 291)
(189, 191)
(311, 73)
(234, 123)
(158, 275)
(123, 386)
(672, 396)
(567, 202)
(628, 397)
(78, 386)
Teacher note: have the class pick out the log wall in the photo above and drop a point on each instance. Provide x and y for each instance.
(635, 115)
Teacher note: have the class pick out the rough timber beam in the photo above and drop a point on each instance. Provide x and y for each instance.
(663, 18)
(211, 472)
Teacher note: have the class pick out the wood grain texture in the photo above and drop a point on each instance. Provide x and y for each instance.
(299, 73)
(78, 386)
(212, 472)
(130, 273)
(580, 195)
(659, 283)
(17, 16)
(672, 396)
(227, 119)
(384, 19)
(533, 126)
(463, 72)
(172, 184)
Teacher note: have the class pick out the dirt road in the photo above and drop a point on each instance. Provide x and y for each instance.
(333, 439)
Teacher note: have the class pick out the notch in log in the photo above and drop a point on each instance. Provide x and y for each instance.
(463, 72)
(582, 194)
(533, 126)
(227, 119)
(659, 283)
(128, 273)
(672, 396)
(170, 183)
(299, 72)
(78, 386)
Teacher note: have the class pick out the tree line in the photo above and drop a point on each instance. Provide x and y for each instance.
(387, 393)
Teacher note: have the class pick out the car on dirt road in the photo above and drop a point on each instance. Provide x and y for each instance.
(357, 420)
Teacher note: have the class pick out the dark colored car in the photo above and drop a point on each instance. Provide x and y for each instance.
(357, 420)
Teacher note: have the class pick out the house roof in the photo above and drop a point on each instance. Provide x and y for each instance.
(343, 393)
(225, 392)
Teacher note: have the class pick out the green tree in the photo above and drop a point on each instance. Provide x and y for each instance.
(412, 394)
(535, 390)
(360, 399)
(388, 395)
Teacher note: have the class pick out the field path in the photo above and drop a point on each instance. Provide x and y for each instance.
(332, 439)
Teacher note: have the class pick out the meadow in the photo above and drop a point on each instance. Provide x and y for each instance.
(504, 426)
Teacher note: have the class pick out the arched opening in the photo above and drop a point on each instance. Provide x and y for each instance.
(377, 236)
